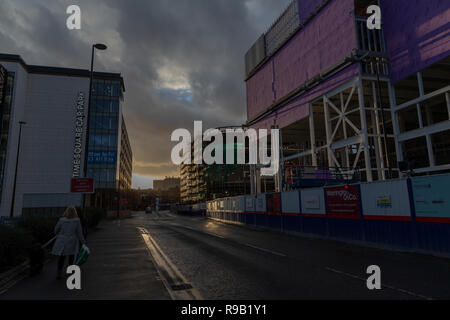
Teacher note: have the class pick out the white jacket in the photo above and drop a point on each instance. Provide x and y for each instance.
(68, 235)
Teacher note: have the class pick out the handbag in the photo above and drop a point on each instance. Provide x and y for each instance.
(82, 255)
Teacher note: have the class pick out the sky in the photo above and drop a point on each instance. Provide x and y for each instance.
(181, 60)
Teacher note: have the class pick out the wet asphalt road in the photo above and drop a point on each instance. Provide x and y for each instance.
(225, 261)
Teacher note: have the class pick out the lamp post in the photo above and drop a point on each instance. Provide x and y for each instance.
(11, 214)
(98, 46)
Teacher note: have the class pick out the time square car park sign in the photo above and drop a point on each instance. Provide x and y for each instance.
(79, 185)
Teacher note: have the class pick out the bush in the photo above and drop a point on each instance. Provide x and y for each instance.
(14, 245)
(41, 229)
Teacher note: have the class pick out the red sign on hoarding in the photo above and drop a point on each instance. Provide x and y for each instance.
(82, 185)
(343, 202)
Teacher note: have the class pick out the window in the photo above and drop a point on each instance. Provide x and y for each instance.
(98, 140)
(115, 106)
(441, 147)
(113, 140)
(416, 151)
(105, 140)
(100, 88)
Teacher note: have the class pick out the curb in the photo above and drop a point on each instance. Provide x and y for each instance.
(9, 278)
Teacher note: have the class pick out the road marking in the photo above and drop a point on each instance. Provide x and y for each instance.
(266, 250)
(382, 285)
(221, 237)
(197, 230)
(215, 235)
(176, 284)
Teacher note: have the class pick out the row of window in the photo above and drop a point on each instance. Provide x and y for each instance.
(104, 122)
(106, 88)
(105, 105)
(102, 175)
(102, 140)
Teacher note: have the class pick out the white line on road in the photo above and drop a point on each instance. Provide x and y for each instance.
(266, 250)
(168, 272)
(383, 285)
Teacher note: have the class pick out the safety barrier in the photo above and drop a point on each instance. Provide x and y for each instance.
(412, 214)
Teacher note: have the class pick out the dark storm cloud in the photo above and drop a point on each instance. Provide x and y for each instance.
(182, 60)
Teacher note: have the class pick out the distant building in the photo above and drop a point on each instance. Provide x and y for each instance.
(200, 183)
(166, 184)
(54, 104)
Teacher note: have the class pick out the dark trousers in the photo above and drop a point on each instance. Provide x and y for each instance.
(61, 260)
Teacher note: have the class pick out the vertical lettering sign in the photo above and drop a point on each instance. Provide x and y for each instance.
(78, 145)
(343, 202)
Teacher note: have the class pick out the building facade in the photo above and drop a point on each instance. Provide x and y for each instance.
(166, 184)
(353, 98)
(202, 182)
(54, 104)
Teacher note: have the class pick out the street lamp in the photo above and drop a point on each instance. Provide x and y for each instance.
(11, 214)
(98, 46)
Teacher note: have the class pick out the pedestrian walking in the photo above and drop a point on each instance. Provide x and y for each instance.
(69, 233)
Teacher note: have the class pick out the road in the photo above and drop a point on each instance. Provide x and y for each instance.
(223, 261)
(163, 256)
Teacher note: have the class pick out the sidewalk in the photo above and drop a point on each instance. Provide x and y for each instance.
(119, 268)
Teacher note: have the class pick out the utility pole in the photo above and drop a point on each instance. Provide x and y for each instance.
(11, 214)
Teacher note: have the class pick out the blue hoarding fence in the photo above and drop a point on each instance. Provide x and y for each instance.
(411, 214)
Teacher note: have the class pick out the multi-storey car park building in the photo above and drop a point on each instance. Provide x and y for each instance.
(351, 98)
(54, 103)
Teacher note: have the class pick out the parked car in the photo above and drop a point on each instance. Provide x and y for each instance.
(148, 210)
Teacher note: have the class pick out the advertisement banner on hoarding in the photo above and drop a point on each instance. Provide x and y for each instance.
(343, 202)
(432, 197)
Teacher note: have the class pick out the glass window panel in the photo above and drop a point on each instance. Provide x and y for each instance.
(96, 175)
(103, 175)
(98, 122)
(98, 139)
(115, 106)
(107, 106)
(105, 124)
(115, 123)
(113, 140)
(116, 89)
(100, 88)
(105, 140)
(111, 175)
(108, 89)
(91, 140)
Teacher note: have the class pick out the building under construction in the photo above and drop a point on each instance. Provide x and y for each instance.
(351, 101)
(200, 183)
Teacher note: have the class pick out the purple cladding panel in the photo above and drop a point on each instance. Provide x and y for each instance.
(298, 109)
(306, 7)
(417, 34)
(326, 39)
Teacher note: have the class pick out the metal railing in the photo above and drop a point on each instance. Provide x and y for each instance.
(308, 176)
